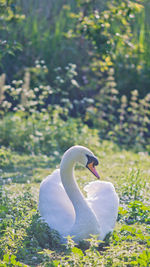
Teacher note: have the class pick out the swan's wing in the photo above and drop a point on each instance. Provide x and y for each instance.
(54, 205)
(102, 198)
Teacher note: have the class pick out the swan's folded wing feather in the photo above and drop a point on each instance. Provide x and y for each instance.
(54, 205)
(103, 200)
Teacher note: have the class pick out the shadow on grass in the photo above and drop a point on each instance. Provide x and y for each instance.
(27, 168)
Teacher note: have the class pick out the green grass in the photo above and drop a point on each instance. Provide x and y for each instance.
(25, 241)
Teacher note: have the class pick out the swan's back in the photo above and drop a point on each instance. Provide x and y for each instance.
(104, 201)
(54, 204)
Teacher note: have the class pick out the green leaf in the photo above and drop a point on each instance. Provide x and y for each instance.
(6, 258)
(78, 251)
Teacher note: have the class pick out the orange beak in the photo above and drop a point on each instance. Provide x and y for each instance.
(91, 167)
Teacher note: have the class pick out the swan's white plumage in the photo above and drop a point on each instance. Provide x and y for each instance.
(54, 204)
(64, 208)
(102, 198)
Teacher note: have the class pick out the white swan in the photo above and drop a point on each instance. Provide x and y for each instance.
(63, 206)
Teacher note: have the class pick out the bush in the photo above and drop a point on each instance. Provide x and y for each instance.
(5, 158)
(124, 122)
(43, 132)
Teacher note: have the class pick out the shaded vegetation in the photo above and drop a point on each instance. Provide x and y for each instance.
(91, 60)
(94, 36)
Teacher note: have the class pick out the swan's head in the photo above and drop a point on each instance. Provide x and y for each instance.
(91, 163)
(82, 155)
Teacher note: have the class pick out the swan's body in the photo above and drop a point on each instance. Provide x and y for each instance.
(63, 206)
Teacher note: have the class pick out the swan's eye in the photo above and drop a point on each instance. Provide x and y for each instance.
(92, 159)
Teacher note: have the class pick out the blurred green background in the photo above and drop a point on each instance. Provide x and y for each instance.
(85, 60)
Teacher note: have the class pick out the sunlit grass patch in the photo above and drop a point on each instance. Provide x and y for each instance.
(26, 240)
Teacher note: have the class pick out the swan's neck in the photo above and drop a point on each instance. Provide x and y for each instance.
(72, 189)
(81, 206)
(85, 220)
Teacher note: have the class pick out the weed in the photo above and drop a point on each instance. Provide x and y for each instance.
(26, 240)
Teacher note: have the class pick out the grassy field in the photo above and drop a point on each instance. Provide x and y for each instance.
(25, 241)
